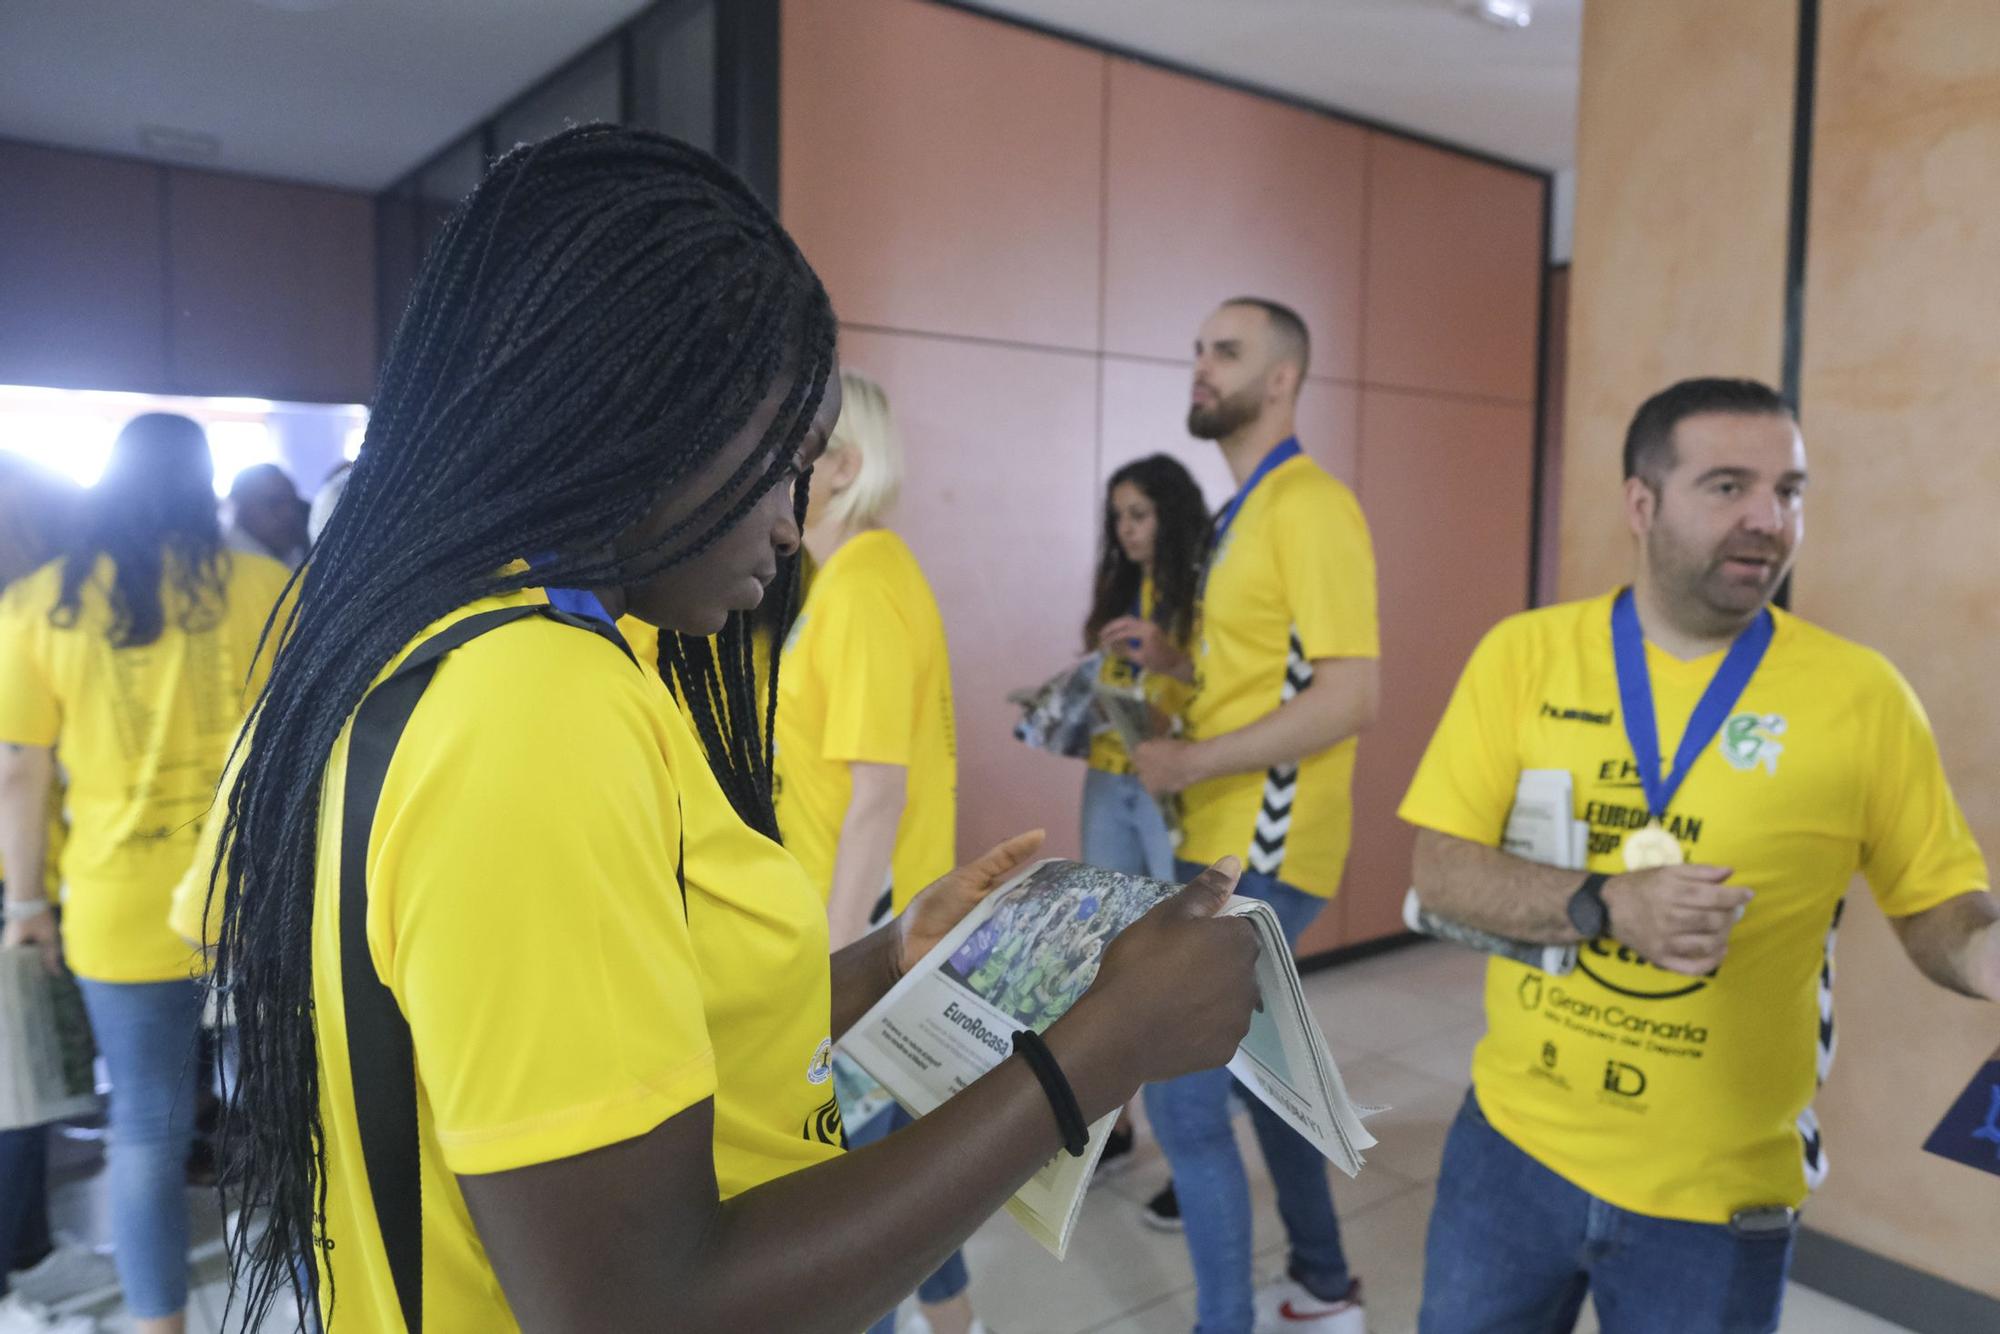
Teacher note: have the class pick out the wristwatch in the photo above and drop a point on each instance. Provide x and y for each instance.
(1587, 912)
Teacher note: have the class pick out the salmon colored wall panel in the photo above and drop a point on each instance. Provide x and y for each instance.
(943, 172)
(1454, 272)
(1446, 485)
(273, 288)
(1212, 193)
(1145, 412)
(82, 273)
(999, 505)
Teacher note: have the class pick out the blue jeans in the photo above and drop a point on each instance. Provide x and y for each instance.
(1190, 1118)
(1123, 829)
(1513, 1249)
(951, 1277)
(146, 1034)
(24, 1199)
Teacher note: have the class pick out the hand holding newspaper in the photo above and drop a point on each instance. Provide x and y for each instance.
(1540, 828)
(1029, 952)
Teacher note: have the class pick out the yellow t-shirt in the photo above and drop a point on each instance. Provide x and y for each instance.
(645, 642)
(1294, 580)
(1684, 1097)
(143, 733)
(563, 993)
(865, 678)
(1163, 692)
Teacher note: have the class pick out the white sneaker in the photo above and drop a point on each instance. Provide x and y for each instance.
(66, 1273)
(1286, 1307)
(20, 1317)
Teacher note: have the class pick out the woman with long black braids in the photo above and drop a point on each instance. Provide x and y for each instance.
(534, 1012)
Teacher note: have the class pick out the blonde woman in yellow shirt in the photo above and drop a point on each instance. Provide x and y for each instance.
(535, 1013)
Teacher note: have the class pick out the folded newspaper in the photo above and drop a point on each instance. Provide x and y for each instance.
(46, 1051)
(1541, 827)
(1022, 958)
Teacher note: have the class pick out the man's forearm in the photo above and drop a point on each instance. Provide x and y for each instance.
(1957, 944)
(1340, 703)
(25, 775)
(1494, 891)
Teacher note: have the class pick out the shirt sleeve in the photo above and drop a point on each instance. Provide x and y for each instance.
(1918, 851)
(30, 713)
(868, 652)
(1326, 562)
(1465, 783)
(526, 907)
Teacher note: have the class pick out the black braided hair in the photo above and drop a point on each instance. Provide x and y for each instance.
(598, 319)
(1180, 547)
(153, 514)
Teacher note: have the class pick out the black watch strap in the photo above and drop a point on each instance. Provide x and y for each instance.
(1587, 910)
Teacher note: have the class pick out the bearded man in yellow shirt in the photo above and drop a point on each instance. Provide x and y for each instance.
(1285, 676)
(1641, 1128)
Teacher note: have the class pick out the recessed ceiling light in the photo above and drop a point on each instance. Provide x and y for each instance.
(1503, 13)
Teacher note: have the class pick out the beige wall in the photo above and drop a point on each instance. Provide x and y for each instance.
(1021, 236)
(1683, 150)
(1680, 244)
(1901, 404)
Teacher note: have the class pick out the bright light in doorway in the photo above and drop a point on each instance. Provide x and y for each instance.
(1503, 13)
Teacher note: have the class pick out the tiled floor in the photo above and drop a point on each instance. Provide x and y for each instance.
(1401, 1026)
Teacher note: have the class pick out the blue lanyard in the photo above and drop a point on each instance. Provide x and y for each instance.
(578, 602)
(1226, 516)
(1635, 692)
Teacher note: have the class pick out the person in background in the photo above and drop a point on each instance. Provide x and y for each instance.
(1149, 565)
(37, 1269)
(1285, 677)
(867, 764)
(867, 756)
(320, 512)
(603, 987)
(1662, 1177)
(266, 515)
(135, 654)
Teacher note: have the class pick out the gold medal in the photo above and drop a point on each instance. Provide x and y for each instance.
(1652, 846)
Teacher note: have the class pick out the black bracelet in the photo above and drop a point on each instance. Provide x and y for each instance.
(1062, 1098)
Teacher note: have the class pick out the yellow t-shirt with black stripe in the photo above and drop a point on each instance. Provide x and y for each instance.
(562, 992)
(1163, 692)
(865, 678)
(1292, 581)
(142, 734)
(1673, 1096)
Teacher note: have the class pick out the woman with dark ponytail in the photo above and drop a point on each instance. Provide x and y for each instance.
(535, 1014)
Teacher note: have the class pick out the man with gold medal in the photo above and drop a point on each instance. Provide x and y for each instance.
(1641, 1129)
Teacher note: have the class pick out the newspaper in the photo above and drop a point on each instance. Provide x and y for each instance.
(46, 1052)
(1130, 714)
(1541, 828)
(1022, 958)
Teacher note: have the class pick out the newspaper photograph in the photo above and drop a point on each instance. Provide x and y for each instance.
(1028, 953)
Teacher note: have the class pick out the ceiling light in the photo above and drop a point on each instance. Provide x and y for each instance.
(1502, 13)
